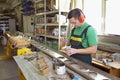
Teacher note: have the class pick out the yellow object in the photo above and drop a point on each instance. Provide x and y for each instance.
(23, 51)
(8, 52)
(76, 39)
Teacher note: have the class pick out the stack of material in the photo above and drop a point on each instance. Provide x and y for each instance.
(18, 41)
(116, 57)
(109, 47)
(43, 67)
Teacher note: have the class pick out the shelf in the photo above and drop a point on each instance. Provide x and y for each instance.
(48, 36)
(45, 13)
(54, 37)
(40, 24)
(38, 1)
(4, 18)
(6, 27)
(50, 24)
(55, 24)
(3, 21)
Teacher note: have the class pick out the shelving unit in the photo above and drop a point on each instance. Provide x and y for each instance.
(4, 23)
(7, 24)
(50, 22)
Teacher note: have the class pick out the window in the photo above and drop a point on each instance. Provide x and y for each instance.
(79, 4)
(93, 12)
(112, 17)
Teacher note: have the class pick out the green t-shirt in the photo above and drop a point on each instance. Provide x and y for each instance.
(91, 35)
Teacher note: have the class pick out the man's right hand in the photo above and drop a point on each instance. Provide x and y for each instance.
(63, 39)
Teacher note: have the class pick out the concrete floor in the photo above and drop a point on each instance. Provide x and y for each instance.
(8, 70)
(8, 67)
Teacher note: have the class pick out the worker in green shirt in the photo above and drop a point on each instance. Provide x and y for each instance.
(83, 38)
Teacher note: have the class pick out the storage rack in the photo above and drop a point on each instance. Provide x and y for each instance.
(4, 23)
(44, 26)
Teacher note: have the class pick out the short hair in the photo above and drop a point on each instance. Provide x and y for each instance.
(75, 13)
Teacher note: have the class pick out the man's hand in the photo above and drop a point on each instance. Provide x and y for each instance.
(63, 39)
(71, 51)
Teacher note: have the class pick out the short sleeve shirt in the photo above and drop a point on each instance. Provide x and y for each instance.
(91, 38)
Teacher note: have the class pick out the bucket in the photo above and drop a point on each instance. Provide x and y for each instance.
(4, 41)
(60, 68)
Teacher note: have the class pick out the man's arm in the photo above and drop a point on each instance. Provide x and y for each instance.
(89, 50)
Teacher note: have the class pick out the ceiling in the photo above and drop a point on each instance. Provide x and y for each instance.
(3, 1)
(5, 4)
(6, 1)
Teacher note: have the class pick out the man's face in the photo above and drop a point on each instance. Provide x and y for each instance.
(75, 22)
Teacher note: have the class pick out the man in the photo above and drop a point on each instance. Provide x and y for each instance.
(83, 37)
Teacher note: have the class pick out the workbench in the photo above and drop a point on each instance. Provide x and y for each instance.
(28, 68)
(29, 71)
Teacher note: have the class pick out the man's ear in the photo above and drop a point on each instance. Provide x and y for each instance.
(81, 18)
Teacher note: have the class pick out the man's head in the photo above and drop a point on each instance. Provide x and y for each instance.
(76, 17)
